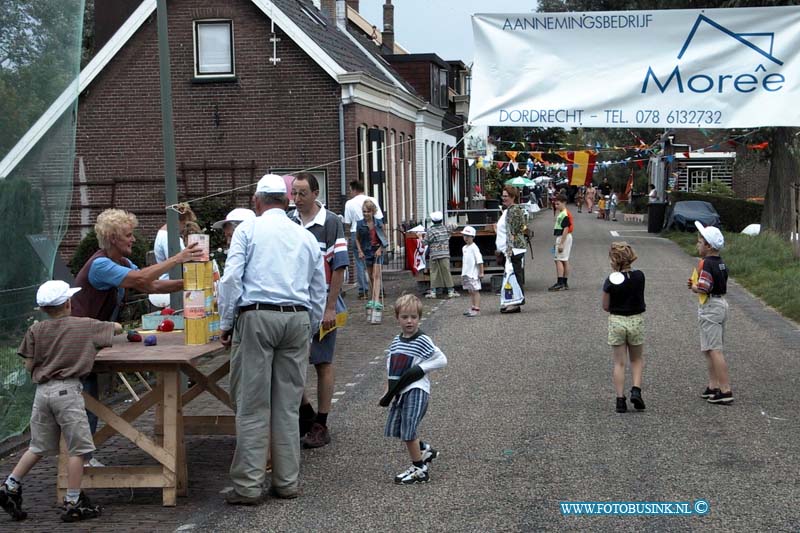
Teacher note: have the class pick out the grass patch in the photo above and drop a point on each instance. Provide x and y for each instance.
(764, 265)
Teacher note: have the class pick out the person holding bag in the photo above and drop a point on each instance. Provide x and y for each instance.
(510, 244)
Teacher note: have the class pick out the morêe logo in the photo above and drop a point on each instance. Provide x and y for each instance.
(721, 82)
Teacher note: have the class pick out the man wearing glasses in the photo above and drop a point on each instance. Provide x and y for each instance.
(327, 229)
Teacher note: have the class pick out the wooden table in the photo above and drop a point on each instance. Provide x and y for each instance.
(167, 360)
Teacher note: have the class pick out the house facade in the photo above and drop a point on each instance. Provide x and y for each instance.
(257, 86)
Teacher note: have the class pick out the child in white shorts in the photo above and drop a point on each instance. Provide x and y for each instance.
(471, 271)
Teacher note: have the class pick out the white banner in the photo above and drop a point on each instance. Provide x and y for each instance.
(711, 68)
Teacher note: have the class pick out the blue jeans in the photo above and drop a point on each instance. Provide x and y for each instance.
(361, 267)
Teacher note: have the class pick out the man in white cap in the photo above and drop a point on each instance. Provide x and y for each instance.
(711, 285)
(275, 282)
(438, 240)
(58, 352)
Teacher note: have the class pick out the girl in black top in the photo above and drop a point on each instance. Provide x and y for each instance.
(623, 298)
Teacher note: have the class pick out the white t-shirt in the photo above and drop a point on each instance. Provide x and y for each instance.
(353, 210)
(653, 196)
(161, 248)
(471, 258)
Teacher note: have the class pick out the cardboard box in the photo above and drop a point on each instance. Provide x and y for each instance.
(204, 243)
(196, 331)
(198, 276)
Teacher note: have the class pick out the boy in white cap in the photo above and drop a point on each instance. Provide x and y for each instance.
(58, 352)
(710, 284)
(471, 271)
(438, 240)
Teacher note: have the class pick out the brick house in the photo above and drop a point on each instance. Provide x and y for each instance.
(703, 156)
(257, 86)
(443, 181)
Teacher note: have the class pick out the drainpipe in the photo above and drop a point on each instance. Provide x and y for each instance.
(342, 153)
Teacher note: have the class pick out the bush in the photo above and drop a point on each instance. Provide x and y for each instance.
(89, 245)
(735, 214)
(715, 187)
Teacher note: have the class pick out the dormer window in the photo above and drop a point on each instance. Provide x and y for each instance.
(213, 49)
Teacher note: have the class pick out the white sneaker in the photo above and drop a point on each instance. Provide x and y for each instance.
(412, 475)
(430, 295)
(453, 294)
(473, 312)
(93, 463)
(429, 453)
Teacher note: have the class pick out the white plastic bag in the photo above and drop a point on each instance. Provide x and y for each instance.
(510, 291)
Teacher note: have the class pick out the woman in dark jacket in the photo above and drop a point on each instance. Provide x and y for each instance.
(371, 242)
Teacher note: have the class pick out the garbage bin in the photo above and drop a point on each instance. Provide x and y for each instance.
(655, 216)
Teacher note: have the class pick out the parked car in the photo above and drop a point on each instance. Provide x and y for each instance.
(684, 214)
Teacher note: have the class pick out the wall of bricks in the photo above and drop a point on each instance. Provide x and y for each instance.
(279, 117)
(358, 115)
(750, 172)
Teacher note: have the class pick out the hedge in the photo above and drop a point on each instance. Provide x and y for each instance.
(734, 214)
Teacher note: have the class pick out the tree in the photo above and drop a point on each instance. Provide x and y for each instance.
(39, 57)
(777, 215)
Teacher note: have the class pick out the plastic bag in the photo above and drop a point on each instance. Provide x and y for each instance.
(510, 291)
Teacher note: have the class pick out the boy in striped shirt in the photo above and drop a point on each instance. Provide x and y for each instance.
(58, 352)
(411, 357)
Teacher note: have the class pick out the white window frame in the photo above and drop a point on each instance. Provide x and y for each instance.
(196, 44)
(691, 177)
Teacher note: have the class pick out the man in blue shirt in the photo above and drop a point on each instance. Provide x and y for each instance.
(275, 282)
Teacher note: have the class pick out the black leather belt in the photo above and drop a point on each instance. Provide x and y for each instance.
(271, 307)
(716, 295)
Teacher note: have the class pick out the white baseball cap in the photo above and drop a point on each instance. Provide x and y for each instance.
(271, 184)
(468, 231)
(240, 214)
(54, 292)
(712, 235)
(436, 216)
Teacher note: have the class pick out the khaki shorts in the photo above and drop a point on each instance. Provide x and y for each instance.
(625, 330)
(58, 409)
(711, 318)
(563, 255)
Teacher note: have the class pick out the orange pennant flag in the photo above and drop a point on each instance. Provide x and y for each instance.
(566, 155)
(512, 156)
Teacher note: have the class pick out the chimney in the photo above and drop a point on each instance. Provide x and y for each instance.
(109, 16)
(329, 9)
(388, 26)
(341, 14)
(353, 4)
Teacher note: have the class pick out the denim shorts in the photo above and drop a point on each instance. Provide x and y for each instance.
(405, 414)
(58, 409)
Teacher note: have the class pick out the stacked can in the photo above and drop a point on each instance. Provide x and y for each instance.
(199, 304)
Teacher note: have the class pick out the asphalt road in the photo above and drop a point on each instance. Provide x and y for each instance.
(524, 416)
